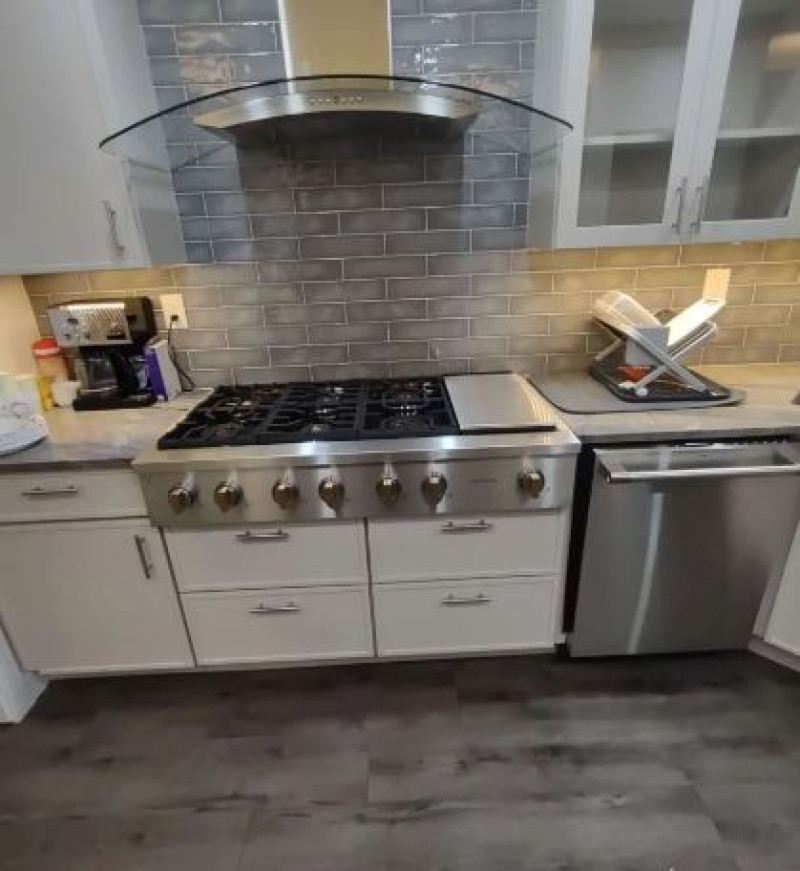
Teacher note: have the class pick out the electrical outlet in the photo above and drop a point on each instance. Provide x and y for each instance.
(174, 311)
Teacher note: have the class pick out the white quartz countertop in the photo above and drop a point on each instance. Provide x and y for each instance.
(99, 439)
(767, 410)
(109, 439)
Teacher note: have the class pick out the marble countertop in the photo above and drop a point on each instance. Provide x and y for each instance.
(99, 439)
(112, 439)
(767, 410)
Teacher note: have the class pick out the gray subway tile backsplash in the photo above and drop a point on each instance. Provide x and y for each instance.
(321, 334)
(224, 39)
(382, 220)
(336, 199)
(384, 267)
(431, 29)
(178, 11)
(342, 246)
(160, 41)
(389, 251)
(308, 354)
(505, 26)
(430, 242)
(248, 10)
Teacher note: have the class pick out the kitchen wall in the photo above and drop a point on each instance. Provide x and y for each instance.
(17, 327)
(396, 254)
(523, 309)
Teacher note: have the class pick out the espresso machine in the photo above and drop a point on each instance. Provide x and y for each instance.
(105, 339)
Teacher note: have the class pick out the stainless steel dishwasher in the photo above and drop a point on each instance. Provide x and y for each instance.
(681, 543)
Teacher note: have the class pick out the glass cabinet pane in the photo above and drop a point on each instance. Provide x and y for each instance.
(636, 73)
(757, 154)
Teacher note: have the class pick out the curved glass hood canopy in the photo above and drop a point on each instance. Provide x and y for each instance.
(313, 106)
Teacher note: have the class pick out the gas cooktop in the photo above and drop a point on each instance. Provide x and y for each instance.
(265, 414)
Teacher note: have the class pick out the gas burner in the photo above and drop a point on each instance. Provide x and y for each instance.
(408, 398)
(407, 425)
(342, 410)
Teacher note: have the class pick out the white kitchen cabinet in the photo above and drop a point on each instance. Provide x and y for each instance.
(493, 545)
(686, 122)
(296, 554)
(470, 616)
(783, 629)
(85, 597)
(74, 71)
(298, 625)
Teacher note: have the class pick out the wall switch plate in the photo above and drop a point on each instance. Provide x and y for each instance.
(173, 307)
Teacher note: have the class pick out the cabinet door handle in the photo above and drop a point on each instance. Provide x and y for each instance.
(51, 492)
(113, 227)
(477, 526)
(480, 599)
(254, 537)
(143, 550)
(701, 199)
(680, 193)
(288, 608)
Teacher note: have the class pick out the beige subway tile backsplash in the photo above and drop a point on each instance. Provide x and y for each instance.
(465, 312)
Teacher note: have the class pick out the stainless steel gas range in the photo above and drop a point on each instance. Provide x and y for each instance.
(360, 449)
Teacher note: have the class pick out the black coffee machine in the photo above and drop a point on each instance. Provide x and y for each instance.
(106, 339)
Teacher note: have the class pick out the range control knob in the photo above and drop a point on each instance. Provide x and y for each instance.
(433, 488)
(181, 497)
(531, 483)
(228, 496)
(285, 495)
(331, 492)
(388, 489)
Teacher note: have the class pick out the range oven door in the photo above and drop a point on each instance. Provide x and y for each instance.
(681, 544)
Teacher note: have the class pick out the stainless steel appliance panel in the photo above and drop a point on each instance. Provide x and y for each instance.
(681, 543)
(472, 486)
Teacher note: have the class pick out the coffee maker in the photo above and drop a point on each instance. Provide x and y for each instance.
(105, 339)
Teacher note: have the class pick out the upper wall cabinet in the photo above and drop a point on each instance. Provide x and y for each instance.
(687, 122)
(74, 71)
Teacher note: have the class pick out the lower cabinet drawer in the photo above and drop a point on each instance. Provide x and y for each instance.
(466, 616)
(279, 625)
(302, 554)
(74, 495)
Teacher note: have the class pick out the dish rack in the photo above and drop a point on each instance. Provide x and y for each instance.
(643, 361)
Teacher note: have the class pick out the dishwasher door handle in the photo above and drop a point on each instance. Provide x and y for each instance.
(614, 476)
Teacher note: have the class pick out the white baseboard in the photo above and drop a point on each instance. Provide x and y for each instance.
(774, 654)
(18, 689)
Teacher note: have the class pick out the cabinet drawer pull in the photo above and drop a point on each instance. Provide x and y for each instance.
(252, 537)
(480, 599)
(51, 492)
(478, 526)
(288, 608)
(143, 550)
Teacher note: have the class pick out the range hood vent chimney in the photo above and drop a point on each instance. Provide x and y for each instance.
(338, 61)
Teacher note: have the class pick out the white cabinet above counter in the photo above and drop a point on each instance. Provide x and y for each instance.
(75, 71)
(686, 122)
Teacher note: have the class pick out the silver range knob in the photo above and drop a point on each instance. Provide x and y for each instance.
(181, 497)
(531, 483)
(388, 489)
(228, 495)
(331, 492)
(433, 488)
(285, 495)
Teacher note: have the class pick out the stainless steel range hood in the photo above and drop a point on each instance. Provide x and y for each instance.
(339, 81)
(338, 59)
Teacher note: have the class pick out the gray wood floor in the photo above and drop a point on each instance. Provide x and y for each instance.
(523, 763)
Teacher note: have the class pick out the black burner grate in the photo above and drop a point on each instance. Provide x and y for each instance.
(342, 410)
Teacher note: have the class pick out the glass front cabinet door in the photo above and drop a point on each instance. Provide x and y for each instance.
(744, 184)
(686, 117)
